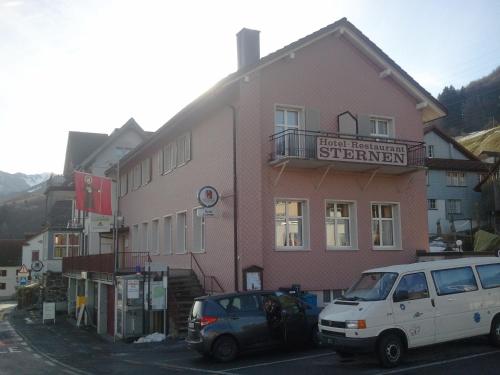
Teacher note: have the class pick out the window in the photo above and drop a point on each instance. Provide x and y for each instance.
(130, 180)
(431, 204)
(412, 286)
(290, 224)
(137, 176)
(135, 237)
(155, 236)
(35, 255)
(456, 280)
(123, 185)
(181, 233)
(454, 206)
(3, 273)
(430, 151)
(183, 149)
(146, 171)
(385, 226)
(489, 275)
(168, 157)
(167, 234)
(326, 296)
(66, 244)
(3, 286)
(242, 303)
(380, 127)
(286, 124)
(455, 179)
(339, 220)
(427, 177)
(144, 237)
(198, 231)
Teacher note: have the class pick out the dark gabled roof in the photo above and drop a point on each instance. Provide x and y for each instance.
(275, 56)
(457, 165)
(11, 252)
(79, 146)
(131, 124)
(493, 171)
(447, 138)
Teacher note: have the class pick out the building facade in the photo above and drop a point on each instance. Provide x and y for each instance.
(309, 150)
(453, 172)
(10, 263)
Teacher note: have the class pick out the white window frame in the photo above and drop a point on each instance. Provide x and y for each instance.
(202, 230)
(353, 219)
(432, 204)
(456, 178)
(170, 250)
(300, 125)
(137, 172)
(177, 249)
(155, 239)
(396, 226)
(305, 225)
(67, 246)
(391, 126)
(184, 140)
(146, 166)
(454, 212)
(123, 184)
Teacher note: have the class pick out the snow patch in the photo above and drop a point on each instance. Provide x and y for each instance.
(154, 337)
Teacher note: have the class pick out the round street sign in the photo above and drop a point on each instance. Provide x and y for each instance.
(37, 266)
(208, 196)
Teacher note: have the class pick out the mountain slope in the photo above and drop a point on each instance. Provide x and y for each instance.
(11, 184)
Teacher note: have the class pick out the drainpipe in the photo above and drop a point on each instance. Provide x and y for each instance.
(235, 204)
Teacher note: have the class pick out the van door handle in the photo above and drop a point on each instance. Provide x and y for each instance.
(418, 314)
(452, 299)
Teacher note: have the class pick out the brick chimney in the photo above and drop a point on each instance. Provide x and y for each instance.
(248, 47)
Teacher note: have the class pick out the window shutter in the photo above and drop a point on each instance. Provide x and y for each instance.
(187, 149)
(312, 120)
(364, 125)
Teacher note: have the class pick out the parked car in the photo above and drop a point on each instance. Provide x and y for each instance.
(221, 326)
(391, 309)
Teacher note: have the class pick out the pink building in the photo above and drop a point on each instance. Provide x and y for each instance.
(316, 151)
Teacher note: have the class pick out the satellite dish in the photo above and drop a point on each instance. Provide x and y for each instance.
(37, 266)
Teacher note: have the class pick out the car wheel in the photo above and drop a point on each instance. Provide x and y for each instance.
(225, 349)
(495, 332)
(390, 350)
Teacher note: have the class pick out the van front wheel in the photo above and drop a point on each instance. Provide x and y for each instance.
(495, 332)
(390, 350)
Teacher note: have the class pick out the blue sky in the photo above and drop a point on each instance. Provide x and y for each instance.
(91, 65)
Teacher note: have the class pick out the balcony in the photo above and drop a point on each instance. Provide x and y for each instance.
(347, 152)
(127, 262)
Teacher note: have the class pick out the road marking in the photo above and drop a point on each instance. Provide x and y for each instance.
(38, 356)
(281, 361)
(184, 368)
(440, 362)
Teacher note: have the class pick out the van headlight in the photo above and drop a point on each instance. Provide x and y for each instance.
(355, 324)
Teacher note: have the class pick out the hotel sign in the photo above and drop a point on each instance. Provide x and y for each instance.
(355, 151)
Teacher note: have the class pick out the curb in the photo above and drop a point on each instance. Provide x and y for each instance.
(43, 354)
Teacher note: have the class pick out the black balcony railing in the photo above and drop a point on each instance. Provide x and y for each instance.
(302, 144)
(126, 262)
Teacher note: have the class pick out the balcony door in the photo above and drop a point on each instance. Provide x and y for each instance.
(287, 127)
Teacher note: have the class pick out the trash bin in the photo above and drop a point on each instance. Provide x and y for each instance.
(310, 299)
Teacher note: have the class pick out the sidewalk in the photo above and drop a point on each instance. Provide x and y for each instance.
(82, 349)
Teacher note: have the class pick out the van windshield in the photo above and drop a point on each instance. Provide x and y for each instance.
(373, 286)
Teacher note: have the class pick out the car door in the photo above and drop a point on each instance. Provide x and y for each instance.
(293, 319)
(247, 319)
(458, 303)
(413, 309)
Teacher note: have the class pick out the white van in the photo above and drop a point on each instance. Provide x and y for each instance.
(391, 309)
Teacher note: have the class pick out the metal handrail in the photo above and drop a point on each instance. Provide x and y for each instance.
(204, 276)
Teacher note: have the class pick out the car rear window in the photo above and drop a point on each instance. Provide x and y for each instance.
(196, 310)
(489, 274)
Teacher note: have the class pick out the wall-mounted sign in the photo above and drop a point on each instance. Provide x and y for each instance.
(206, 211)
(208, 196)
(158, 294)
(133, 289)
(355, 151)
(100, 223)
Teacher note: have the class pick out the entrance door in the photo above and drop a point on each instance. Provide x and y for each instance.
(111, 309)
(413, 310)
(289, 140)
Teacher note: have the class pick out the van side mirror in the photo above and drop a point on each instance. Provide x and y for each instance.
(400, 295)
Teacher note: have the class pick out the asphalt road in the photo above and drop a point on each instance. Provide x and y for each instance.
(62, 349)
